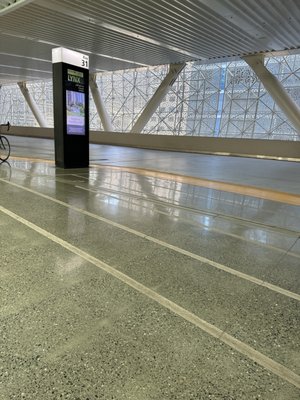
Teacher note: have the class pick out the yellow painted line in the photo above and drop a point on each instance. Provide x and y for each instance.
(142, 235)
(246, 350)
(210, 228)
(253, 191)
(32, 159)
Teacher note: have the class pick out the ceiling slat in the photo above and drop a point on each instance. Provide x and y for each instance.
(119, 34)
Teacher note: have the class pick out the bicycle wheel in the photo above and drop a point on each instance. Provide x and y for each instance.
(4, 148)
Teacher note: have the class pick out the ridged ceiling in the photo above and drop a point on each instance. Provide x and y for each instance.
(119, 34)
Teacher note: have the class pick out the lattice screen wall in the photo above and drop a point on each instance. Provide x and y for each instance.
(224, 99)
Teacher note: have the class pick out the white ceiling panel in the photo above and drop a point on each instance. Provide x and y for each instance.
(123, 34)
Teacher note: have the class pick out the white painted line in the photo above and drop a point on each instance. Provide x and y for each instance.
(189, 210)
(259, 358)
(204, 260)
(217, 215)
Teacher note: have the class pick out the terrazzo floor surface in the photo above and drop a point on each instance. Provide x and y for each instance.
(113, 283)
(272, 174)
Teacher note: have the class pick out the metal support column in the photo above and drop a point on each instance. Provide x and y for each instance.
(32, 105)
(99, 103)
(158, 96)
(275, 90)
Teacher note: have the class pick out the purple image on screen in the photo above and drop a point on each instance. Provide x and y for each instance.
(75, 102)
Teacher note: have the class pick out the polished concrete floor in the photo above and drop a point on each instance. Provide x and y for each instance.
(276, 175)
(120, 284)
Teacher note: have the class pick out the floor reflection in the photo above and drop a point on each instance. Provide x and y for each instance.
(5, 170)
(164, 201)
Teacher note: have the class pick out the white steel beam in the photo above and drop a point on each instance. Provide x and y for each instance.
(32, 105)
(99, 103)
(8, 6)
(154, 102)
(275, 90)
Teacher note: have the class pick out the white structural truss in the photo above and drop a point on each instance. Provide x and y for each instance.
(7, 6)
(99, 103)
(32, 105)
(160, 93)
(14, 108)
(221, 99)
(283, 100)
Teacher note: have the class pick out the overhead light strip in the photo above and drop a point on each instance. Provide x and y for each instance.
(26, 57)
(25, 69)
(76, 49)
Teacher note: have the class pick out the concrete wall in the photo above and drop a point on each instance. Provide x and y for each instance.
(240, 147)
(30, 131)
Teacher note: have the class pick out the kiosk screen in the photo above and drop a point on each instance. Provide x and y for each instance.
(75, 102)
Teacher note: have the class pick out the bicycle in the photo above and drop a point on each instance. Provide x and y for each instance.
(4, 144)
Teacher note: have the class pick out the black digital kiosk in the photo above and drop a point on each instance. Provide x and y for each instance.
(71, 108)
